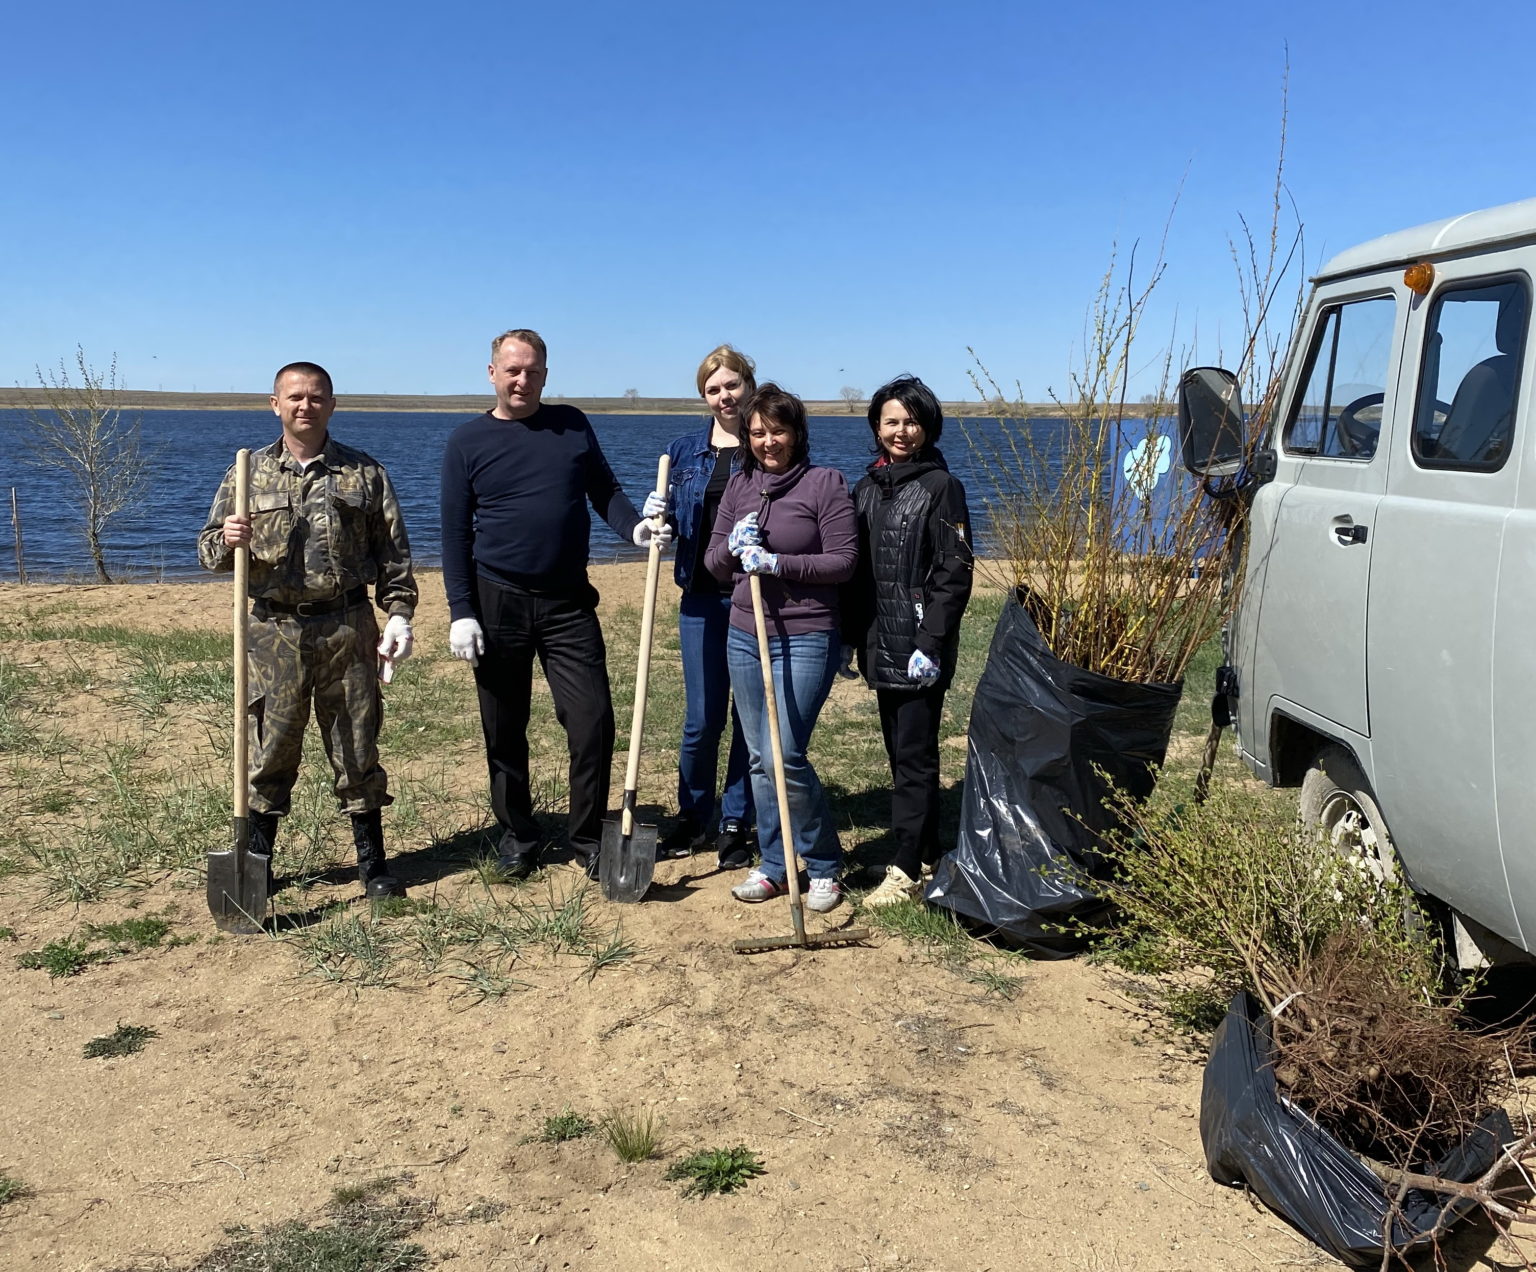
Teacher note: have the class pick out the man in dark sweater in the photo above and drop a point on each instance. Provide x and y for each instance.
(516, 484)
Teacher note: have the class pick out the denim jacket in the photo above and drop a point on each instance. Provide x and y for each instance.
(693, 463)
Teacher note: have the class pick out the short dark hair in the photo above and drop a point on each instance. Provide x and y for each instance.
(784, 409)
(523, 336)
(305, 368)
(921, 405)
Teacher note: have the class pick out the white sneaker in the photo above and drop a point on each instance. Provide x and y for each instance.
(824, 895)
(898, 886)
(758, 887)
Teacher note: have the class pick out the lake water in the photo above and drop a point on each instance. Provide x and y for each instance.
(194, 448)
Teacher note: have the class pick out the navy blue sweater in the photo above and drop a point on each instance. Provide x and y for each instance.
(515, 496)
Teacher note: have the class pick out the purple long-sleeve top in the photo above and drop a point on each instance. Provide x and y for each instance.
(805, 515)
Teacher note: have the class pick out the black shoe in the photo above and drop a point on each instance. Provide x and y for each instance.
(586, 856)
(683, 840)
(517, 859)
(372, 868)
(734, 846)
(263, 837)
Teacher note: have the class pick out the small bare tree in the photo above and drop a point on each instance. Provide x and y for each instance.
(631, 397)
(79, 431)
(852, 397)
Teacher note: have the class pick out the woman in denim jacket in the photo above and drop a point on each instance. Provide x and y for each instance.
(702, 463)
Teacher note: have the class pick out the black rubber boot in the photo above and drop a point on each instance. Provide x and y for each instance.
(263, 838)
(372, 868)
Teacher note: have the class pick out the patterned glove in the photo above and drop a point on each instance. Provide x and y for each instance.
(466, 640)
(744, 534)
(922, 668)
(756, 560)
(655, 505)
(645, 531)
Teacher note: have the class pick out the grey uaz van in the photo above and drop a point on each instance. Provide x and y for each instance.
(1383, 651)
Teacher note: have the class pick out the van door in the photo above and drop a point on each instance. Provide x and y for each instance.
(1309, 647)
(1440, 695)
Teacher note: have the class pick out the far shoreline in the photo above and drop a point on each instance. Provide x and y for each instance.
(474, 404)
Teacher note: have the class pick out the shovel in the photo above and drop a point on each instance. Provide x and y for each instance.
(627, 856)
(237, 878)
(799, 939)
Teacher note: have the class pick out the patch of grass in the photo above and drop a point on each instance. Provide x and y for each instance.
(129, 935)
(61, 958)
(920, 924)
(634, 1137)
(183, 645)
(717, 1170)
(993, 980)
(12, 1189)
(155, 681)
(360, 1236)
(15, 706)
(485, 984)
(567, 1124)
(614, 951)
(350, 1194)
(125, 1040)
(9, 934)
(562, 1126)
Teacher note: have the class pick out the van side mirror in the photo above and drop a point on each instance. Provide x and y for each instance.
(1212, 434)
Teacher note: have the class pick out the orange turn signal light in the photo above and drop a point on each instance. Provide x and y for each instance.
(1419, 278)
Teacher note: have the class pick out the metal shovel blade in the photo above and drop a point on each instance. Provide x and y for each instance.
(237, 884)
(627, 862)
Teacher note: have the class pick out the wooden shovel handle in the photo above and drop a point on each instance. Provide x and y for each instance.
(241, 629)
(643, 669)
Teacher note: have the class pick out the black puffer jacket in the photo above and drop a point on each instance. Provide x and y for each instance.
(914, 575)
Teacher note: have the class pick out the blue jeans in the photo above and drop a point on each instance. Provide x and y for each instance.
(702, 622)
(803, 668)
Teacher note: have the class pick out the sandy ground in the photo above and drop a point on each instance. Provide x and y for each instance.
(907, 1118)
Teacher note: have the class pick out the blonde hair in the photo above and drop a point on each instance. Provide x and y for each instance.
(523, 336)
(732, 360)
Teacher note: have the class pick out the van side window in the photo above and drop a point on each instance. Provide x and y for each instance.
(1338, 414)
(1469, 384)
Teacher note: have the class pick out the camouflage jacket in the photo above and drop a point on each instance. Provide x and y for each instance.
(318, 533)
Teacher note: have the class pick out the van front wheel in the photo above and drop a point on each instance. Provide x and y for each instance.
(1336, 798)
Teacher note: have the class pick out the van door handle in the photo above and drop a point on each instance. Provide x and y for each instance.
(1347, 535)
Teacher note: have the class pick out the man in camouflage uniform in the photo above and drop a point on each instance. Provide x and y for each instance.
(324, 524)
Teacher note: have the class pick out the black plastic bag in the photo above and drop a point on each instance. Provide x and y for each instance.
(1301, 1172)
(1047, 741)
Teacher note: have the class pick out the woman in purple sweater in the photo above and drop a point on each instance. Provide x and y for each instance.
(793, 524)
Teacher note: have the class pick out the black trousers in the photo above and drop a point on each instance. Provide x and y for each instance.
(563, 633)
(909, 722)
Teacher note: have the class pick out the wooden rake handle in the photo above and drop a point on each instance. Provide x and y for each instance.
(776, 745)
(643, 665)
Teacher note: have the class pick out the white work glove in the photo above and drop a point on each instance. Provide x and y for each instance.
(845, 665)
(395, 645)
(645, 531)
(655, 505)
(744, 534)
(756, 560)
(922, 668)
(466, 640)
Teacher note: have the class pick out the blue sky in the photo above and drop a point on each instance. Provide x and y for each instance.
(844, 190)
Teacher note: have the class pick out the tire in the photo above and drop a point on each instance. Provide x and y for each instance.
(1339, 802)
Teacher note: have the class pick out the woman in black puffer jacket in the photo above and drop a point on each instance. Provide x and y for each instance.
(903, 609)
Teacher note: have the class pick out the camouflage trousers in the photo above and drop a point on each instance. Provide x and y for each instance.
(332, 661)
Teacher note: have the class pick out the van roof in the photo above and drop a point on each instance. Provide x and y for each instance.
(1508, 223)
